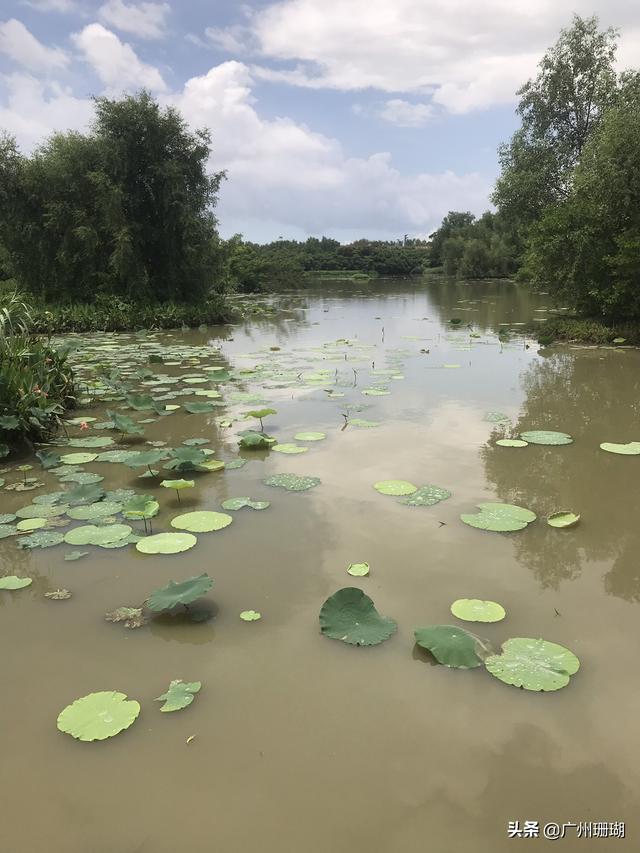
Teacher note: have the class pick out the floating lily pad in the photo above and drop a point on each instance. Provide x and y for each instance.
(89, 534)
(240, 503)
(179, 695)
(359, 570)
(476, 610)
(291, 482)
(502, 518)
(544, 436)
(250, 616)
(511, 442)
(563, 518)
(78, 458)
(202, 521)
(98, 716)
(309, 436)
(452, 646)
(350, 615)
(427, 496)
(632, 448)
(41, 539)
(289, 448)
(395, 487)
(533, 664)
(184, 592)
(13, 582)
(166, 543)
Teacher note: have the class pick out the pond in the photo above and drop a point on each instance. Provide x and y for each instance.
(296, 741)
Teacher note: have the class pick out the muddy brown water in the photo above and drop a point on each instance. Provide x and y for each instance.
(303, 744)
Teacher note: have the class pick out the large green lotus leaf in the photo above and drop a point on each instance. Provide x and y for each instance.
(78, 458)
(452, 646)
(41, 511)
(533, 664)
(502, 518)
(166, 543)
(395, 487)
(183, 592)
(89, 534)
(512, 442)
(289, 448)
(41, 539)
(98, 716)
(477, 610)
(84, 495)
(202, 521)
(91, 441)
(630, 449)
(427, 496)
(141, 507)
(545, 436)
(350, 615)
(291, 482)
(309, 436)
(240, 503)
(563, 518)
(179, 695)
(100, 509)
(13, 582)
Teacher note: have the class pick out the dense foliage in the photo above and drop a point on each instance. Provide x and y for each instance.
(36, 384)
(474, 248)
(125, 210)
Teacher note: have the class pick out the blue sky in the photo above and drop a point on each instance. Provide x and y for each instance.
(350, 118)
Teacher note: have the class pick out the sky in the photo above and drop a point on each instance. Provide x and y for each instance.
(344, 118)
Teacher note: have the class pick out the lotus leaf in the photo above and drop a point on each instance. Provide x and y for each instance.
(98, 716)
(476, 610)
(41, 539)
(533, 664)
(179, 695)
(13, 582)
(240, 503)
(358, 570)
(291, 482)
(632, 448)
(563, 518)
(250, 615)
(502, 518)
(452, 646)
(201, 522)
(309, 436)
(100, 509)
(89, 534)
(395, 487)
(166, 543)
(350, 615)
(184, 592)
(78, 458)
(543, 436)
(289, 448)
(427, 496)
(511, 442)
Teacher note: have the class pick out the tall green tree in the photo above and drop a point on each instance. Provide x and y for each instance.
(559, 109)
(125, 210)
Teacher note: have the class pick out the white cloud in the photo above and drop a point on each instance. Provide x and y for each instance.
(146, 20)
(470, 54)
(283, 173)
(115, 62)
(19, 44)
(33, 109)
(405, 114)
